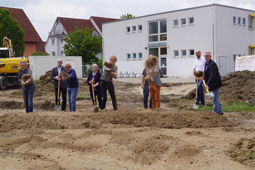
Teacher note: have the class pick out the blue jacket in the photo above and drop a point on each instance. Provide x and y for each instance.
(212, 76)
(72, 80)
(97, 80)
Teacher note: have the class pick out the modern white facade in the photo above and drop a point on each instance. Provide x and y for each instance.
(175, 36)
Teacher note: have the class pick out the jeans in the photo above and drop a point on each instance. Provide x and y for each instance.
(146, 93)
(28, 94)
(155, 92)
(72, 93)
(108, 86)
(216, 101)
(200, 92)
(63, 97)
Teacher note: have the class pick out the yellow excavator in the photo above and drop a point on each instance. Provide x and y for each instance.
(9, 65)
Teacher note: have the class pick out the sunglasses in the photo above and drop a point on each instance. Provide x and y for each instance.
(67, 67)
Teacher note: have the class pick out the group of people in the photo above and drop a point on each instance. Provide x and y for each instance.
(151, 83)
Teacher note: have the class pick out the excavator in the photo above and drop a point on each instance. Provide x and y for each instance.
(9, 65)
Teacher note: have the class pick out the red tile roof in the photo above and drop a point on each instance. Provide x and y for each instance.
(40, 47)
(100, 20)
(69, 23)
(31, 34)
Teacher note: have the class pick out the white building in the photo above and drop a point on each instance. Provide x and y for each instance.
(174, 37)
(62, 26)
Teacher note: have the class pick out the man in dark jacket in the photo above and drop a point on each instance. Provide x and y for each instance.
(55, 75)
(213, 81)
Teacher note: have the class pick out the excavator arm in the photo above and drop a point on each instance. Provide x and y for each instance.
(8, 44)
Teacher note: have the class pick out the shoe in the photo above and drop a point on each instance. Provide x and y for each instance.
(221, 113)
(197, 103)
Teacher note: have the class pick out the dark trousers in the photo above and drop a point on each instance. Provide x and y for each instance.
(108, 86)
(146, 93)
(98, 96)
(200, 92)
(28, 95)
(63, 91)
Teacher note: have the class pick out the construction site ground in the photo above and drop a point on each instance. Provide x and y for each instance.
(172, 137)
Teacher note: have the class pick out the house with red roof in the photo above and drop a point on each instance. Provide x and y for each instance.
(62, 26)
(31, 38)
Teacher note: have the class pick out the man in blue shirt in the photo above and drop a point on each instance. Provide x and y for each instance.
(72, 86)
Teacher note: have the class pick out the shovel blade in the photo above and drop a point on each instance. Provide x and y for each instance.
(58, 108)
(95, 108)
(195, 106)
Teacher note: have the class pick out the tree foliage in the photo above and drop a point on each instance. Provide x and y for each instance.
(123, 16)
(83, 43)
(10, 28)
(39, 53)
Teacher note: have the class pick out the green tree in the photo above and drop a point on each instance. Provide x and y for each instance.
(39, 53)
(123, 16)
(10, 28)
(83, 43)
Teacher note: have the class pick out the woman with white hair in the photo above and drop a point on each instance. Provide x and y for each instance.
(94, 82)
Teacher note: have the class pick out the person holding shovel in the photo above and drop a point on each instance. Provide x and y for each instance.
(59, 85)
(106, 82)
(213, 81)
(199, 65)
(153, 72)
(72, 86)
(28, 87)
(93, 81)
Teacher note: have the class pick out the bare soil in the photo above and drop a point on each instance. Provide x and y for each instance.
(173, 137)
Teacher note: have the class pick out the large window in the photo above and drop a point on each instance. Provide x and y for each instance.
(157, 31)
(163, 51)
(252, 21)
(153, 51)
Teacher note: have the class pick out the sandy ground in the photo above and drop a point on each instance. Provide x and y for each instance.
(173, 137)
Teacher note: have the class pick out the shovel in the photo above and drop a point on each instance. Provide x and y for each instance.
(195, 106)
(58, 106)
(95, 107)
(208, 94)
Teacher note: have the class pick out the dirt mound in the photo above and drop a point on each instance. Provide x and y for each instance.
(47, 105)
(236, 86)
(44, 85)
(244, 152)
(11, 105)
(164, 119)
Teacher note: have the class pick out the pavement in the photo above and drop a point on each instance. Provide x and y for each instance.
(164, 80)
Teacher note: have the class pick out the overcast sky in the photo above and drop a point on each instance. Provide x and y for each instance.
(43, 13)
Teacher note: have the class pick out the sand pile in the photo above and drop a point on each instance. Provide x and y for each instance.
(44, 84)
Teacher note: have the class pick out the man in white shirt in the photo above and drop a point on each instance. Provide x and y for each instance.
(199, 65)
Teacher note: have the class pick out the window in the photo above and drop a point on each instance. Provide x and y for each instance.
(153, 51)
(163, 51)
(239, 21)
(251, 49)
(175, 22)
(140, 27)
(183, 53)
(183, 21)
(234, 58)
(61, 52)
(61, 40)
(128, 29)
(128, 57)
(176, 53)
(163, 62)
(53, 53)
(134, 56)
(252, 21)
(191, 53)
(140, 55)
(244, 21)
(134, 28)
(234, 20)
(53, 41)
(157, 31)
(191, 21)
